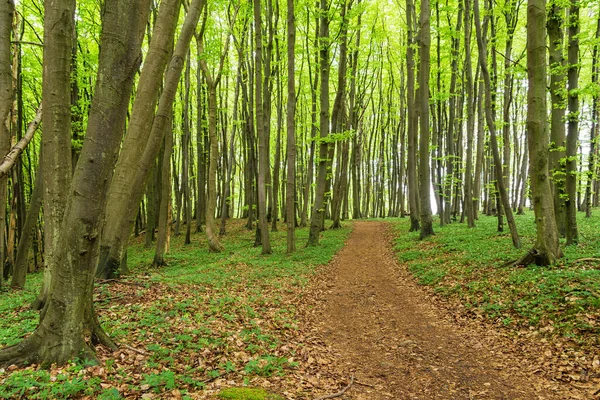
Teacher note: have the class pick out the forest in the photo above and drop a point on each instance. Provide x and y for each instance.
(224, 198)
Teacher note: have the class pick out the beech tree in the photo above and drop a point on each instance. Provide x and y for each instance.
(68, 316)
(546, 249)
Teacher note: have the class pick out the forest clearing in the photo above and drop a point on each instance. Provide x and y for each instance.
(256, 199)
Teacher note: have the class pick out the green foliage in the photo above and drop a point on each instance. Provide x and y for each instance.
(159, 380)
(42, 385)
(205, 316)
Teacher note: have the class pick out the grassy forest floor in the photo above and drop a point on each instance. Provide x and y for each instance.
(218, 324)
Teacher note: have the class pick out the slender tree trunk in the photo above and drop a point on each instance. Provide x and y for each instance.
(413, 194)
(261, 133)
(200, 148)
(469, 198)
(594, 128)
(7, 9)
(424, 168)
(35, 204)
(573, 125)
(558, 105)
(337, 122)
(479, 157)
(490, 123)
(165, 203)
(185, 146)
(291, 132)
(318, 212)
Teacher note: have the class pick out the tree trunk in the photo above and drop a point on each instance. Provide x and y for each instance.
(263, 136)
(20, 271)
(200, 149)
(318, 212)
(424, 168)
(68, 317)
(490, 123)
(7, 9)
(291, 130)
(185, 146)
(56, 120)
(121, 191)
(594, 127)
(469, 197)
(413, 195)
(546, 249)
(164, 227)
(573, 125)
(337, 122)
(558, 104)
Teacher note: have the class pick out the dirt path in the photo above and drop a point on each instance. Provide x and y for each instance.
(398, 345)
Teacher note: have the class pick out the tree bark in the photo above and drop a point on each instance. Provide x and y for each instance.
(291, 130)
(573, 126)
(56, 141)
(546, 249)
(424, 167)
(7, 9)
(263, 136)
(490, 123)
(469, 197)
(185, 146)
(164, 227)
(35, 203)
(413, 194)
(337, 122)
(594, 127)
(318, 212)
(558, 104)
(68, 317)
(122, 189)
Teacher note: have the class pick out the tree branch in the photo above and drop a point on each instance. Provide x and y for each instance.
(10, 159)
(338, 394)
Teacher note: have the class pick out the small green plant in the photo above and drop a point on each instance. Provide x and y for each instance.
(268, 365)
(164, 379)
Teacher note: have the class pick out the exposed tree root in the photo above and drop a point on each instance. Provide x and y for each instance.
(214, 246)
(534, 256)
(589, 259)
(159, 262)
(336, 225)
(35, 350)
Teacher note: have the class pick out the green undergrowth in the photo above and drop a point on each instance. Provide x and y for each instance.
(469, 265)
(205, 317)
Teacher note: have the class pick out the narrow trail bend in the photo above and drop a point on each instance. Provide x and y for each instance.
(397, 344)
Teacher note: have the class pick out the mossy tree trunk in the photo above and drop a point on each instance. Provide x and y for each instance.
(555, 27)
(318, 212)
(546, 249)
(68, 317)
